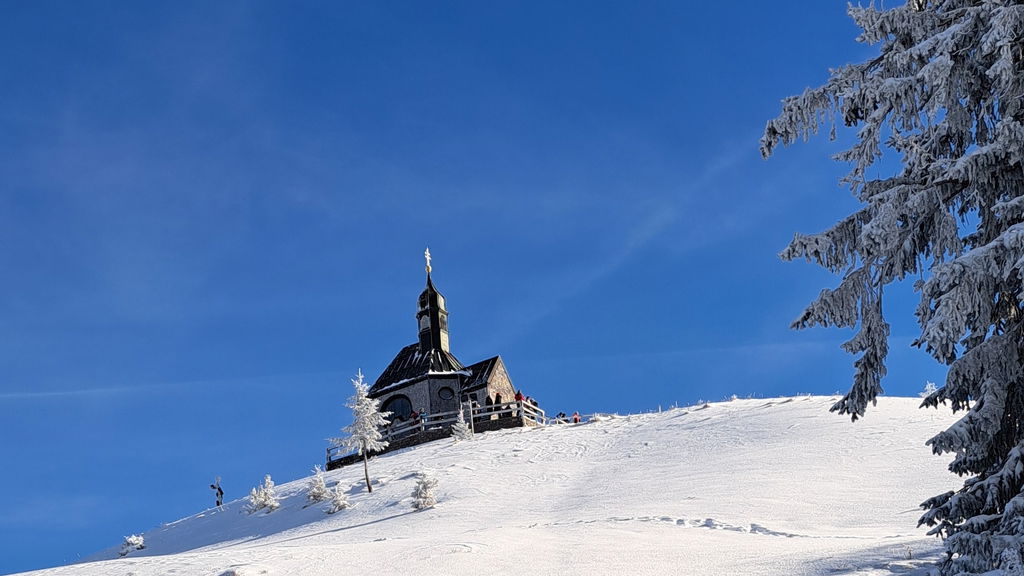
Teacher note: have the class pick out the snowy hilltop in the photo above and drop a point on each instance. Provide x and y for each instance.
(766, 487)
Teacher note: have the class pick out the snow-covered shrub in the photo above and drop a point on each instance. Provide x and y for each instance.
(339, 500)
(132, 543)
(317, 491)
(929, 389)
(263, 497)
(461, 429)
(424, 494)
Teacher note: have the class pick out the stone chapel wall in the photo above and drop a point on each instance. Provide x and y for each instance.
(500, 383)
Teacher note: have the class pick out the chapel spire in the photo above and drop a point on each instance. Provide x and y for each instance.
(432, 316)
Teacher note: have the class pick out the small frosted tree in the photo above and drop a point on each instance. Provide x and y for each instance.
(339, 500)
(364, 434)
(132, 543)
(316, 491)
(461, 429)
(263, 497)
(425, 493)
(946, 95)
(929, 389)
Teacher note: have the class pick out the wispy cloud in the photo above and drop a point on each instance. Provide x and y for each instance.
(641, 235)
(775, 349)
(662, 214)
(157, 387)
(55, 394)
(708, 194)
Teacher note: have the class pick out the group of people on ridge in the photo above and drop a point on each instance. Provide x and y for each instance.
(561, 418)
(499, 404)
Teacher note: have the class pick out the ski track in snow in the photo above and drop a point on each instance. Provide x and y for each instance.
(702, 523)
(766, 487)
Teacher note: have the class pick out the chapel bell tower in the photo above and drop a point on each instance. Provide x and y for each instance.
(432, 316)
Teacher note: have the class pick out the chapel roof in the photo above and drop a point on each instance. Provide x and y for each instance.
(430, 286)
(410, 364)
(479, 373)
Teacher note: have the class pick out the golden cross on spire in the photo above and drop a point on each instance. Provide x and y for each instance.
(426, 254)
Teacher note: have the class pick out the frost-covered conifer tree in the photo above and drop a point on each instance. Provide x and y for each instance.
(945, 93)
(461, 429)
(364, 434)
(263, 497)
(425, 493)
(269, 494)
(317, 491)
(339, 500)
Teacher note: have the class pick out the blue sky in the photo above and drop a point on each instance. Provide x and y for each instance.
(213, 213)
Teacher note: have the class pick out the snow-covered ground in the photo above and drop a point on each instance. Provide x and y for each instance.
(765, 487)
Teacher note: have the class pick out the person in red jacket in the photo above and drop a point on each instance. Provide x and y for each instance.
(575, 417)
(519, 403)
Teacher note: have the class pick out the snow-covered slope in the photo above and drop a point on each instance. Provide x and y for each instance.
(766, 487)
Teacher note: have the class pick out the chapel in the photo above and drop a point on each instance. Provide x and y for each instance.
(427, 390)
(425, 377)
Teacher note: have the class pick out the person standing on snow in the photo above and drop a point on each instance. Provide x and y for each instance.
(219, 491)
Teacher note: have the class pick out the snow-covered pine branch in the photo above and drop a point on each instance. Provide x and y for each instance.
(945, 93)
(364, 435)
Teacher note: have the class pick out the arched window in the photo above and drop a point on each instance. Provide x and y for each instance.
(399, 406)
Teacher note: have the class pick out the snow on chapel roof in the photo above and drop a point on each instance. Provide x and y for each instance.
(410, 364)
(479, 373)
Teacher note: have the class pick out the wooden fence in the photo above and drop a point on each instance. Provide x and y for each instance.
(433, 426)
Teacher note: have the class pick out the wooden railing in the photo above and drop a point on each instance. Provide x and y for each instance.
(398, 429)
